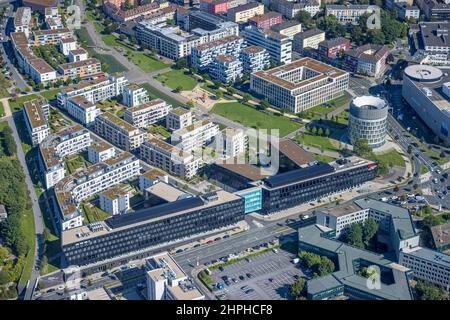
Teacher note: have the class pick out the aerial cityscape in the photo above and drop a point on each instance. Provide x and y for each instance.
(225, 150)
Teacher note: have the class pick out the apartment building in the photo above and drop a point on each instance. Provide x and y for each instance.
(99, 88)
(167, 281)
(144, 115)
(369, 59)
(195, 136)
(80, 69)
(152, 177)
(43, 37)
(22, 20)
(134, 95)
(139, 12)
(241, 14)
(407, 11)
(118, 132)
(99, 151)
(55, 148)
(179, 118)
(308, 39)
(288, 28)
(300, 85)
(169, 158)
(266, 20)
(231, 142)
(203, 55)
(332, 48)
(82, 109)
(254, 58)
(67, 45)
(226, 69)
(35, 113)
(277, 45)
(214, 6)
(290, 9)
(71, 190)
(78, 55)
(350, 13)
(115, 201)
(434, 9)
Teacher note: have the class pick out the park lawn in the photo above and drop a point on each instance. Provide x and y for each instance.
(322, 157)
(209, 88)
(4, 85)
(319, 111)
(392, 158)
(320, 142)
(50, 94)
(94, 214)
(343, 117)
(83, 36)
(28, 228)
(110, 41)
(2, 109)
(251, 117)
(155, 93)
(177, 77)
(145, 62)
(18, 104)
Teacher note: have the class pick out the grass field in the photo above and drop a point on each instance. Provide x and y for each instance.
(177, 77)
(392, 158)
(50, 94)
(319, 111)
(322, 143)
(18, 104)
(155, 93)
(28, 228)
(159, 130)
(251, 117)
(342, 117)
(94, 214)
(2, 109)
(322, 157)
(4, 85)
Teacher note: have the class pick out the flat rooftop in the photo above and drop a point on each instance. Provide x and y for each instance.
(112, 118)
(441, 234)
(114, 193)
(33, 109)
(154, 174)
(165, 191)
(430, 255)
(342, 209)
(100, 145)
(294, 152)
(79, 64)
(245, 170)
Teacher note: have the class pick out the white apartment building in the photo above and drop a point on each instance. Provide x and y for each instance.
(134, 95)
(288, 28)
(84, 184)
(78, 55)
(82, 109)
(148, 113)
(308, 39)
(254, 58)
(55, 148)
(115, 201)
(169, 158)
(429, 265)
(36, 114)
(203, 55)
(290, 9)
(99, 89)
(48, 36)
(118, 132)
(244, 12)
(277, 45)
(151, 177)
(231, 142)
(99, 151)
(22, 20)
(179, 118)
(350, 13)
(66, 45)
(226, 69)
(195, 136)
(300, 85)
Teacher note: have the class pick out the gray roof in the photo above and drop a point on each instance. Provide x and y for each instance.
(431, 255)
(435, 34)
(346, 255)
(321, 284)
(309, 33)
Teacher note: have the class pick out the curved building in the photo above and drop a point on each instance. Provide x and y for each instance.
(367, 120)
(427, 90)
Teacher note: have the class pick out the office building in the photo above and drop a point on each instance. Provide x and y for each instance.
(290, 9)
(368, 59)
(66, 45)
(300, 85)
(179, 118)
(134, 95)
(434, 37)
(241, 14)
(195, 136)
(144, 115)
(226, 69)
(167, 281)
(118, 132)
(22, 20)
(308, 39)
(333, 48)
(52, 37)
(288, 28)
(434, 9)
(100, 151)
(277, 45)
(203, 55)
(100, 88)
(441, 236)
(80, 69)
(350, 13)
(266, 20)
(426, 90)
(169, 158)
(115, 201)
(406, 11)
(367, 120)
(148, 227)
(254, 59)
(56, 147)
(35, 113)
(82, 109)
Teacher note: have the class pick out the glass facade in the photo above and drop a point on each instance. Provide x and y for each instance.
(253, 200)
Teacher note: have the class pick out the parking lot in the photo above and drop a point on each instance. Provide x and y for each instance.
(270, 276)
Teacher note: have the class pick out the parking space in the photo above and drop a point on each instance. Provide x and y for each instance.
(267, 276)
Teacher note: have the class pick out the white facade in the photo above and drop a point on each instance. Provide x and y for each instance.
(231, 143)
(152, 177)
(349, 13)
(22, 20)
(254, 59)
(115, 201)
(78, 55)
(100, 151)
(134, 96)
(179, 118)
(82, 109)
(148, 113)
(67, 45)
(226, 69)
(195, 136)
(36, 116)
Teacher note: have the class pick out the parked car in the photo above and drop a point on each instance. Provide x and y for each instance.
(241, 277)
(249, 291)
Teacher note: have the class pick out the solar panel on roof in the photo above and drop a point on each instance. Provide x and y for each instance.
(315, 170)
(154, 212)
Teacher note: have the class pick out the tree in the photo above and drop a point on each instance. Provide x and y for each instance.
(375, 37)
(355, 235)
(231, 90)
(429, 291)
(362, 148)
(309, 260)
(219, 94)
(442, 154)
(320, 131)
(265, 103)
(178, 89)
(27, 89)
(390, 58)
(246, 97)
(327, 132)
(181, 63)
(4, 254)
(326, 266)
(370, 228)
(409, 149)
(217, 84)
(303, 17)
(4, 277)
(357, 34)
(298, 289)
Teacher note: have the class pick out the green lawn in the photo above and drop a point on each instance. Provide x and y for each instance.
(18, 104)
(392, 158)
(342, 117)
(94, 214)
(323, 143)
(177, 77)
(74, 163)
(209, 87)
(251, 117)
(155, 93)
(50, 94)
(322, 157)
(319, 111)
(2, 109)
(423, 170)
(159, 130)
(4, 86)
(28, 228)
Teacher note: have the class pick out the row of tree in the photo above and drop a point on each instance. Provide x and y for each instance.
(8, 146)
(319, 265)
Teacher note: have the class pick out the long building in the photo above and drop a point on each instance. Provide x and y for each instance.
(80, 69)
(43, 37)
(118, 132)
(368, 59)
(148, 113)
(22, 20)
(36, 114)
(151, 226)
(82, 109)
(300, 85)
(254, 58)
(350, 13)
(290, 9)
(308, 39)
(195, 136)
(244, 12)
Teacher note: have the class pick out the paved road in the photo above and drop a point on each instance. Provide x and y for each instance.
(39, 228)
